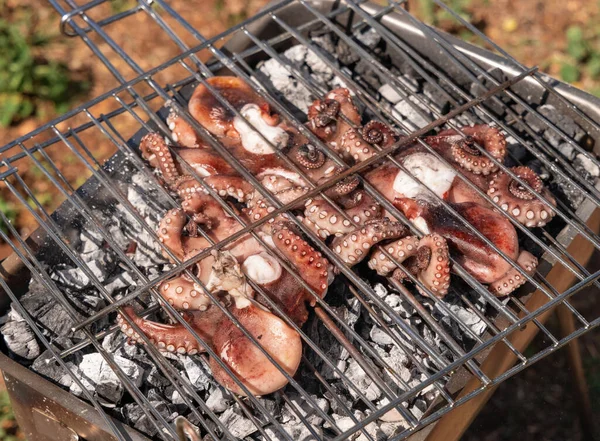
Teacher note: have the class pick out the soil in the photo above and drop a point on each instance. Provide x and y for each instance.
(537, 404)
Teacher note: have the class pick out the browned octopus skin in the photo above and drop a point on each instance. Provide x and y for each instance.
(477, 257)
(214, 116)
(513, 198)
(463, 152)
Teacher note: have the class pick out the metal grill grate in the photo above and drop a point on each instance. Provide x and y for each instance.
(139, 98)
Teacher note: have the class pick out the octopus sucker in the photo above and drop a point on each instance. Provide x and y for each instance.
(182, 132)
(184, 294)
(513, 198)
(371, 233)
(358, 144)
(156, 151)
(434, 259)
(513, 278)
(401, 250)
(463, 151)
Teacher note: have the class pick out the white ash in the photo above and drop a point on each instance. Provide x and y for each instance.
(219, 400)
(98, 377)
(19, 337)
(197, 372)
(237, 424)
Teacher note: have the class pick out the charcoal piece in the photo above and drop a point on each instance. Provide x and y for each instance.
(345, 54)
(156, 378)
(338, 399)
(297, 432)
(43, 307)
(466, 316)
(389, 93)
(567, 150)
(380, 336)
(198, 373)
(237, 424)
(412, 112)
(47, 366)
(325, 41)
(219, 400)
(367, 72)
(564, 122)
(374, 431)
(437, 98)
(319, 69)
(272, 405)
(136, 416)
(20, 339)
(369, 38)
(357, 376)
(486, 84)
(120, 281)
(586, 167)
(98, 377)
(304, 408)
(563, 187)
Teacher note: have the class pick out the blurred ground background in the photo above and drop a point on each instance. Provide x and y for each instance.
(43, 73)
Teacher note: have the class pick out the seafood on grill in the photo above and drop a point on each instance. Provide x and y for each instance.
(490, 261)
(355, 226)
(226, 274)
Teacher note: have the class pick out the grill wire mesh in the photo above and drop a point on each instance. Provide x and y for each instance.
(142, 93)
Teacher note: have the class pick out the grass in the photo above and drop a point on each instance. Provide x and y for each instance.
(30, 84)
(8, 425)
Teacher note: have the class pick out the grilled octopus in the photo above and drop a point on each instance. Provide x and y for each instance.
(243, 124)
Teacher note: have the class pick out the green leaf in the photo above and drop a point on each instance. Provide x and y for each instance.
(9, 107)
(593, 66)
(576, 45)
(569, 73)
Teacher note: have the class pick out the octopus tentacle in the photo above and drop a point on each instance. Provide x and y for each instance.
(232, 186)
(525, 206)
(513, 279)
(184, 294)
(156, 151)
(400, 250)
(175, 337)
(170, 231)
(205, 162)
(324, 219)
(361, 207)
(182, 132)
(456, 148)
(353, 247)
(433, 256)
(311, 265)
(358, 144)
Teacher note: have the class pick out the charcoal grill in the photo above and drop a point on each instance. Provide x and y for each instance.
(462, 378)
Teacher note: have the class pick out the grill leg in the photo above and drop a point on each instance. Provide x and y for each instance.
(452, 425)
(581, 392)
